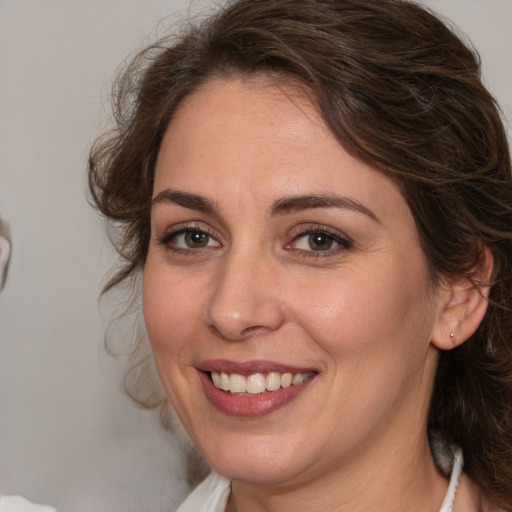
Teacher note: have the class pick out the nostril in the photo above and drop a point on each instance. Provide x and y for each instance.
(244, 301)
(256, 330)
(246, 321)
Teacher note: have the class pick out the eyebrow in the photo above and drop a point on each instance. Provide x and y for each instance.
(306, 202)
(187, 200)
(282, 206)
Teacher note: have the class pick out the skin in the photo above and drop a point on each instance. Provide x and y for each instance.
(362, 313)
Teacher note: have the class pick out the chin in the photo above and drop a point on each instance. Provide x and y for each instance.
(268, 463)
(267, 474)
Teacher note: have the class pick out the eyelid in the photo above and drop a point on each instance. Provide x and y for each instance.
(311, 228)
(179, 239)
(344, 241)
(172, 232)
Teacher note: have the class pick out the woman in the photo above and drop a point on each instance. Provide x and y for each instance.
(318, 195)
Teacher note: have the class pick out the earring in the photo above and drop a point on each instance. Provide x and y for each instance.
(452, 338)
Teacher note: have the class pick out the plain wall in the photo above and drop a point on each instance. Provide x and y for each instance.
(68, 436)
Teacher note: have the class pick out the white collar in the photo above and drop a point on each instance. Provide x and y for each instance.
(213, 493)
(458, 461)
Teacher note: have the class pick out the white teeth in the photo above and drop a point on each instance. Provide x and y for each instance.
(224, 381)
(237, 383)
(298, 379)
(286, 380)
(256, 383)
(273, 381)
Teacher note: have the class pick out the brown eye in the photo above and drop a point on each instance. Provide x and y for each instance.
(188, 239)
(320, 242)
(196, 239)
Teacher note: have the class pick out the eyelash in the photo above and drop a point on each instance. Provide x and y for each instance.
(167, 238)
(343, 242)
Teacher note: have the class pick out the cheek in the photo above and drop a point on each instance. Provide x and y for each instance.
(360, 311)
(373, 330)
(172, 312)
(172, 318)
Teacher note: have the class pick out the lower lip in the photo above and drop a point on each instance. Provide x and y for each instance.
(250, 406)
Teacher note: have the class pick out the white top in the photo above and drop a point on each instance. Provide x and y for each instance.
(19, 504)
(213, 493)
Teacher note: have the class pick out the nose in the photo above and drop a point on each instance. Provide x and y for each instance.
(245, 299)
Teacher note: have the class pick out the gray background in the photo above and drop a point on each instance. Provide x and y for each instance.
(68, 436)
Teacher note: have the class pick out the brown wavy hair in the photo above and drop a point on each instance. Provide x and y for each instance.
(402, 92)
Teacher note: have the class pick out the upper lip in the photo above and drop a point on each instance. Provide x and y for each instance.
(250, 367)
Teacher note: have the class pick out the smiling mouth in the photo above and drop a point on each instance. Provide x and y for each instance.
(257, 383)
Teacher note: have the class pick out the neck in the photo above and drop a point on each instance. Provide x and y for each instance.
(373, 485)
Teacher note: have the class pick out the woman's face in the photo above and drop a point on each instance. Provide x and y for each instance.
(275, 256)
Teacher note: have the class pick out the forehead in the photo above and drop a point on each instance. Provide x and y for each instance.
(236, 111)
(256, 138)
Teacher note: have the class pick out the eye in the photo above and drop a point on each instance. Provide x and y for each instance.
(317, 240)
(189, 239)
(192, 239)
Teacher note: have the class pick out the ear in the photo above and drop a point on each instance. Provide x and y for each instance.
(463, 306)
